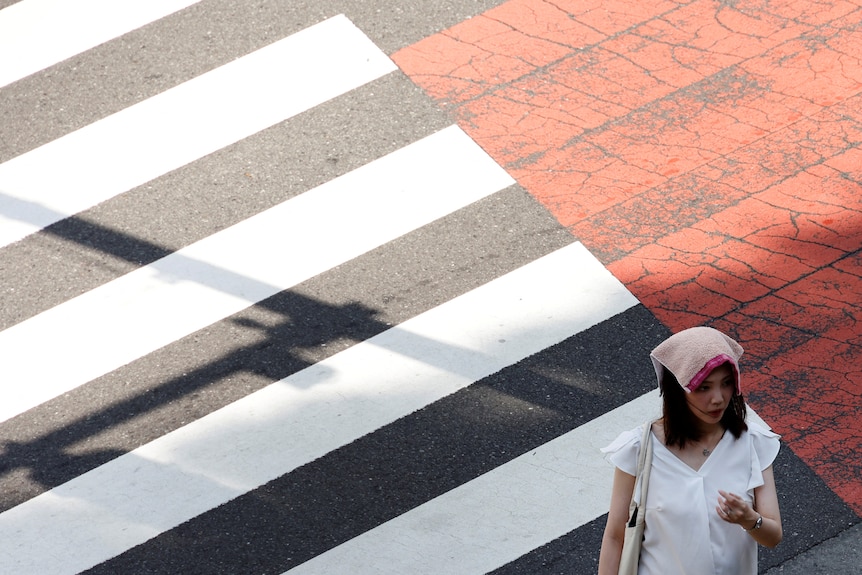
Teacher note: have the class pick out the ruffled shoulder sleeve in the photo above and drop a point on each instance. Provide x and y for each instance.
(764, 449)
(623, 451)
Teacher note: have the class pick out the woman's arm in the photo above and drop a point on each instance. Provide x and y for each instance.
(618, 516)
(766, 504)
(770, 532)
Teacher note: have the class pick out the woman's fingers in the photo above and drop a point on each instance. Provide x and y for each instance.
(731, 507)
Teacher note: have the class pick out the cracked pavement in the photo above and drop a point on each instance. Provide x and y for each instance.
(708, 153)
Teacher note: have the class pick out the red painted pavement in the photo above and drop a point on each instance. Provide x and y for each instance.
(708, 153)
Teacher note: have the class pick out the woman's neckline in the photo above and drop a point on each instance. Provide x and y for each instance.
(692, 456)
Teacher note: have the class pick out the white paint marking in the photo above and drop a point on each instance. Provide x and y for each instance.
(500, 516)
(35, 34)
(271, 432)
(153, 306)
(183, 124)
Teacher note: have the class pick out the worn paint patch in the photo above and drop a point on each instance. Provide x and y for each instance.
(709, 154)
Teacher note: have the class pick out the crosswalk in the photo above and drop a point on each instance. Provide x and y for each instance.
(400, 366)
(238, 448)
(198, 117)
(498, 517)
(207, 281)
(40, 33)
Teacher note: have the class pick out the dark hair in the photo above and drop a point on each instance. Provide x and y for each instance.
(680, 423)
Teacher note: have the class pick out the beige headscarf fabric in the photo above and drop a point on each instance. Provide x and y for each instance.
(692, 354)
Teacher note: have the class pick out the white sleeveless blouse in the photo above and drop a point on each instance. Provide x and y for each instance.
(684, 534)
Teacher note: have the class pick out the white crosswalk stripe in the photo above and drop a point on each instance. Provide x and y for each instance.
(236, 449)
(549, 309)
(220, 275)
(127, 149)
(498, 517)
(41, 33)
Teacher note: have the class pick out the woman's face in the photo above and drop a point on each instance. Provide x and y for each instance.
(712, 397)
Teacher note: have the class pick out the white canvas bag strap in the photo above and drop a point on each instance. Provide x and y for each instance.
(643, 473)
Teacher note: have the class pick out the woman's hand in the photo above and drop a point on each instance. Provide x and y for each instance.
(733, 509)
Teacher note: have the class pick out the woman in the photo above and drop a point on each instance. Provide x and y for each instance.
(711, 496)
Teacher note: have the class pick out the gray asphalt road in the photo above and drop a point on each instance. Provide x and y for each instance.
(376, 476)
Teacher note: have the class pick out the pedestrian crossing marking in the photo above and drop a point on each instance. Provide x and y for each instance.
(241, 446)
(323, 423)
(36, 34)
(133, 315)
(502, 515)
(183, 124)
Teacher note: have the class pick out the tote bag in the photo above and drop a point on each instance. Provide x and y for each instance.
(634, 535)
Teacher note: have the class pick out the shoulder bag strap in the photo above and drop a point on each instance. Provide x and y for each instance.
(636, 515)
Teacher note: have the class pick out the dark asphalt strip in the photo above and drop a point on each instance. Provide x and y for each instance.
(411, 461)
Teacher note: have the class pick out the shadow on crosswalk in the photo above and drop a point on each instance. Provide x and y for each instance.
(278, 336)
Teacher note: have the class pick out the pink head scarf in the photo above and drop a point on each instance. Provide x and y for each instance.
(692, 354)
